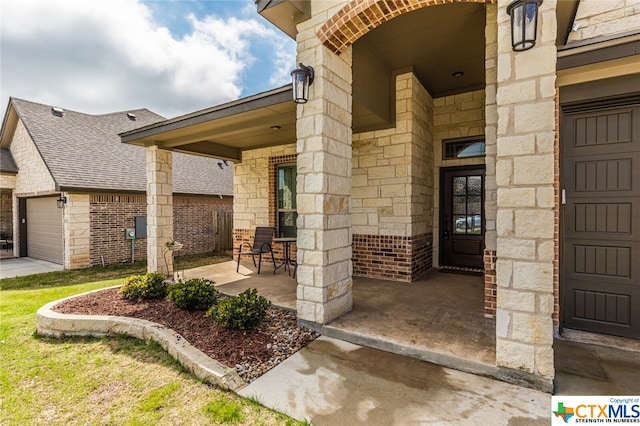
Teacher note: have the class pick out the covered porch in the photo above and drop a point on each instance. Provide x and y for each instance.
(440, 319)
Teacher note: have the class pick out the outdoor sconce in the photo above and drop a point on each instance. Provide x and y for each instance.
(61, 201)
(524, 23)
(301, 78)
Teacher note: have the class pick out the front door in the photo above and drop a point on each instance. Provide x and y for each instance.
(601, 219)
(462, 219)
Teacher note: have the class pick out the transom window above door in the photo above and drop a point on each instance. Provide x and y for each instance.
(464, 148)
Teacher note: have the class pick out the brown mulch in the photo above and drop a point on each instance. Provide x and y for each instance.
(250, 352)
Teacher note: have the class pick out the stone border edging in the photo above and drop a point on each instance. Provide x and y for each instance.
(55, 324)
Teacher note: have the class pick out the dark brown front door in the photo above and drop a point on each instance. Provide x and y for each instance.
(462, 220)
(601, 220)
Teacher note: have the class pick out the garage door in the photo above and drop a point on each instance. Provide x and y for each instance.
(601, 219)
(44, 230)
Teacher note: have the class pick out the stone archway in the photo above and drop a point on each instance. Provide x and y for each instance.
(359, 17)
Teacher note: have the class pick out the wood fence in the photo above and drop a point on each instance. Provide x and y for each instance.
(223, 228)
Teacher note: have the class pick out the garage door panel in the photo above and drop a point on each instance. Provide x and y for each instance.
(615, 220)
(610, 127)
(601, 221)
(44, 230)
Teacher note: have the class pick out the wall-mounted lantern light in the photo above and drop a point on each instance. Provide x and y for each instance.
(524, 23)
(61, 201)
(301, 78)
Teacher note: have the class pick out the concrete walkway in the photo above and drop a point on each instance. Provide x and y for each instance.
(332, 382)
(21, 266)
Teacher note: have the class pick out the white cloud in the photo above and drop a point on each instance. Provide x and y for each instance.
(101, 56)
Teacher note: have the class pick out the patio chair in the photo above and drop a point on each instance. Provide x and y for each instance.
(262, 243)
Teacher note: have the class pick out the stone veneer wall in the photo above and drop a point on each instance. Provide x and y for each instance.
(491, 139)
(392, 194)
(597, 18)
(34, 177)
(111, 214)
(455, 116)
(77, 231)
(526, 198)
(254, 187)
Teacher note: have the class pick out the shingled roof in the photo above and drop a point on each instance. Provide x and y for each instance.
(7, 165)
(84, 151)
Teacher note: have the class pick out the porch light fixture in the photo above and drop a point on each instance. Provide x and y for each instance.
(302, 78)
(61, 201)
(524, 23)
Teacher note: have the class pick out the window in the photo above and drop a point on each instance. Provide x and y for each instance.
(464, 148)
(287, 209)
(467, 205)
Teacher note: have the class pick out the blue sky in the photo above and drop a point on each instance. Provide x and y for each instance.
(172, 57)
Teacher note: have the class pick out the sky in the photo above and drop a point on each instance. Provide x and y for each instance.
(169, 56)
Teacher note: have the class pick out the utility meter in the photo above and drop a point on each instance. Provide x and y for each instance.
(130, 233)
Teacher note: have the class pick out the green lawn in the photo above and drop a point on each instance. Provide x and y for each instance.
(100, 381)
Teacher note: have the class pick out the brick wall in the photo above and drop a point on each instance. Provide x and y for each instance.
(111, 214)
(6, 212)
(394, 258)
(490, 288)
(193, 223)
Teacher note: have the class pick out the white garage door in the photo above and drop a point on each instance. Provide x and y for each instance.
(44, 230)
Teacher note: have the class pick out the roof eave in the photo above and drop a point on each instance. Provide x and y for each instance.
(249, 103)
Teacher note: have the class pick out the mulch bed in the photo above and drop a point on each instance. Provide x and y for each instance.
(251, 352)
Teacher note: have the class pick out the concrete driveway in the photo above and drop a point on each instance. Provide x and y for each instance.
(20, 266)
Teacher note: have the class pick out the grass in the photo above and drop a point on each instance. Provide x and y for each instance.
(97, 273)
(101, 381)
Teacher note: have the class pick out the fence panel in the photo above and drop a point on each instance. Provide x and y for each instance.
(223, 226)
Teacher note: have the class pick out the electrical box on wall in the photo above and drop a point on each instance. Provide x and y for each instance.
(141, 226)
(130, 233)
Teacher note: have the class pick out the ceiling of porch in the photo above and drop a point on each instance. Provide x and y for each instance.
(443, 45)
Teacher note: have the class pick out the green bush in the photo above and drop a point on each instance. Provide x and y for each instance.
(243, 311)
(147, 286)
(196, 294)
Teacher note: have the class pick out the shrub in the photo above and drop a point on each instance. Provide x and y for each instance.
(148, 286)
(243, 311)
(196, 294)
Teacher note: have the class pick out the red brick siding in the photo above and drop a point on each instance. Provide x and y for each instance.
(359, 17)
(392, 257)
(6, 213)
(111, 214)
(490, 283)
(193, 223)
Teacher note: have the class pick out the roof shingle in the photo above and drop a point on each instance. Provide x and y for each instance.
(84, 151)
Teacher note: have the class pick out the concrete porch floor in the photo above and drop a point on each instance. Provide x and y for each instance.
(440, 319)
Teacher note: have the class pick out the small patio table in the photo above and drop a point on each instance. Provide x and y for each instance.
(286, 245)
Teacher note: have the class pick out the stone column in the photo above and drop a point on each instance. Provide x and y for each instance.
(324, 182)
(77, 231)
(525, 198)
(490, 187)
(159, 209)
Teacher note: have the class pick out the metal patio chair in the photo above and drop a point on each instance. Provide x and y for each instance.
(262, 243)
